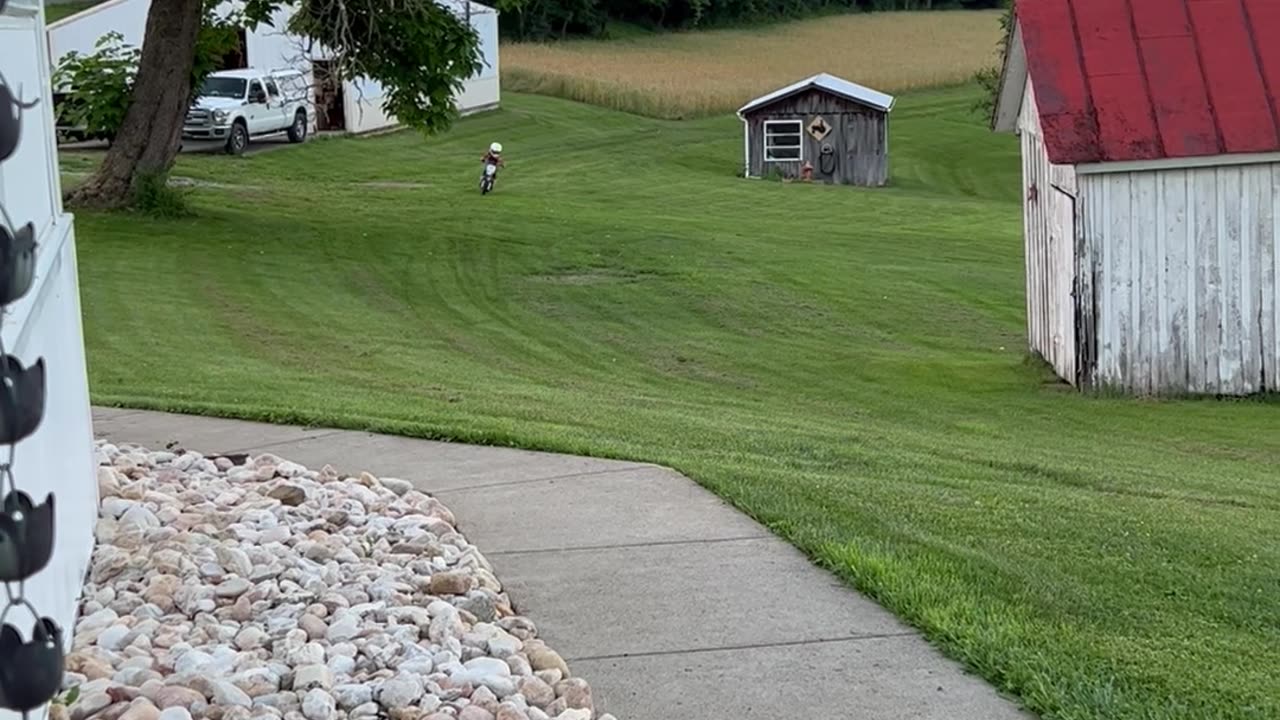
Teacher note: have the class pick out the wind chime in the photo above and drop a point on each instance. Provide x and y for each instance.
(31, 665)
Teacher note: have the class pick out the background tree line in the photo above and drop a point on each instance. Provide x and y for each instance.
(546, 19)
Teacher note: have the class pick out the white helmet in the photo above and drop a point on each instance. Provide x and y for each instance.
(496, 148)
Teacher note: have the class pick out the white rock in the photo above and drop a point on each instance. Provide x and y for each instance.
(342, 665)
(346, 628)
(395, 485)
(308, 677)
(489, 672)
(100, 619)
(337, 592)
(503, 645)
(320, 705)
(114, 637)
(310, 654)
(251, 638)
(234, 560)
(400, 691)
(142, 517)
(192, 662)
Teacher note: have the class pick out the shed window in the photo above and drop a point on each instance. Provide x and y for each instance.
(783, 140)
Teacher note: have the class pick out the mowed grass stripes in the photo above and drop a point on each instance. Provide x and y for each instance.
(845, 365)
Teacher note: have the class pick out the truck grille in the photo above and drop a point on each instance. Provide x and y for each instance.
(197, 116)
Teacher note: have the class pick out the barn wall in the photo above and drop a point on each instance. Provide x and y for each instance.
(1049, 221)
(268, 47)
(81, 32)
(45, 323)
(859, 136)
(1187, 263)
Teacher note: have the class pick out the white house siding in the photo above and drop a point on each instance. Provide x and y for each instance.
(45, 323)
(1187, 263)
(1049, 239)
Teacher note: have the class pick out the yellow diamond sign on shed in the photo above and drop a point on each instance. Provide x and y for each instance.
(819, 128)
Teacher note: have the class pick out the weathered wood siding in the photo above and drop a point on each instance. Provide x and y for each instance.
(1049, 222)
(859, 136)
(1186, 262)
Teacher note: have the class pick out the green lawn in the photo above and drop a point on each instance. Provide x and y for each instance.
(847, 366)
(55, 12)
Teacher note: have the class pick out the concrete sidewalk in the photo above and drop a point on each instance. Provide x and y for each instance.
(671, 604)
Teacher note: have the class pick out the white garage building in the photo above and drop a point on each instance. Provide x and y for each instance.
(354, 106)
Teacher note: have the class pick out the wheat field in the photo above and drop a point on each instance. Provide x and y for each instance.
(692, 74)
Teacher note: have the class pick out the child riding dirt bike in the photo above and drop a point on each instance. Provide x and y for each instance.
(492, 161)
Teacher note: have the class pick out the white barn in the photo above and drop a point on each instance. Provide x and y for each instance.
(356, 105)
(45, 323)
(1151, 192)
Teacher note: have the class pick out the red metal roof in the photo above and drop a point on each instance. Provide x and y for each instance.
(1119, 80)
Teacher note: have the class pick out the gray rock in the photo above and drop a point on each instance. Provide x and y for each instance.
(89, 704)
(353, 695)
(222, 692)
(232, 587)
(283, 701)
(481, 606)
(135, 676)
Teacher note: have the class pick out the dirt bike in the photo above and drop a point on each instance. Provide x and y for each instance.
(486, 180)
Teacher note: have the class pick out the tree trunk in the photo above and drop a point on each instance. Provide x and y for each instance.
(149, 138)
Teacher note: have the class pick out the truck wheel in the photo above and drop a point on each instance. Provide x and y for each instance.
(298, 130)
(238, 142)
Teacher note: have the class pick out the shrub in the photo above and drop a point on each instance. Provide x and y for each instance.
(98, 87)
(153, 195)
(988, 78)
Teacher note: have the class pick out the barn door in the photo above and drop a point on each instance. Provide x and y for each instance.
(1062, 272)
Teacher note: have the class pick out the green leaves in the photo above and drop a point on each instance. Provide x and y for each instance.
(420, 51)
(99, 86)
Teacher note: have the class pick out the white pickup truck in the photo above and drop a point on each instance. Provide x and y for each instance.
(235, 106)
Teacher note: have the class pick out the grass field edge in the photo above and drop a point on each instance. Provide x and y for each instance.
(980, 658)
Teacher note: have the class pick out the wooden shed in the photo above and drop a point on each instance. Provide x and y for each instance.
(1151, 190)
(838, 128)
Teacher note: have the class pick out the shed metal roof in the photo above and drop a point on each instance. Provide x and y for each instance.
(830, 83)
(1126, 80)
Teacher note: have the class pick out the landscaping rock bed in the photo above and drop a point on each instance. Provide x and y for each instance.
(245, 588)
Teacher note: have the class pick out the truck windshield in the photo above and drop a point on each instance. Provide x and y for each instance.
(223, 87)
